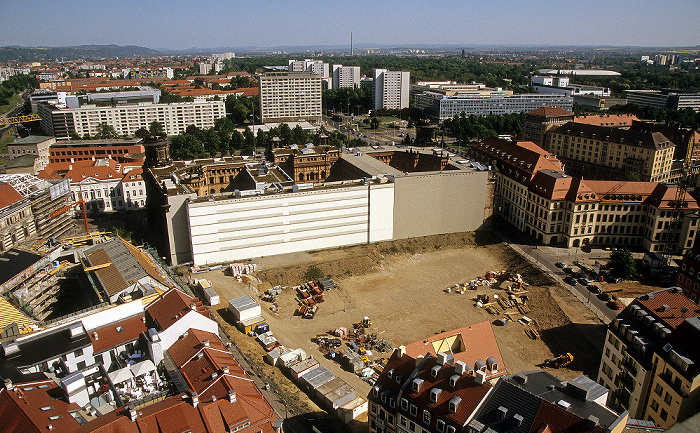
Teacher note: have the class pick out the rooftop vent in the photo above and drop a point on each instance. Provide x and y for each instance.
(517, 420)
(503, 411)
(665, 308)
(564, 404)
(521, 378)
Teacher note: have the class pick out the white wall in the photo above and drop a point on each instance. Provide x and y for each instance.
(241, 228)
(191, 320)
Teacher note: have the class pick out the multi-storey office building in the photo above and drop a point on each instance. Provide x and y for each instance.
(60, 121)
(119, 150)
(534, 194)
(38, 145)
(290, 96)
(391, 89)
(664, 99)
(440, 106)
(642, 151)
(651, 359)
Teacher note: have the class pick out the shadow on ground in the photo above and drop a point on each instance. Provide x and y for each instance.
(575, 338)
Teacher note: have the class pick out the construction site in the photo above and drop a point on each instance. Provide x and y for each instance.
(390, 294)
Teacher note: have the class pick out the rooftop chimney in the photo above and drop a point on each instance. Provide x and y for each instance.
(232, 396)
(195, 398)
(8, 385)
(193, 306)
(480, 377)
(132, 413)
(224, 369)
(206, 342)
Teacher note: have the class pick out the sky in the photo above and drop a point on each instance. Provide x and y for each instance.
(182, 24)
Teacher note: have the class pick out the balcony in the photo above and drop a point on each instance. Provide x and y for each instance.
(676, 387)
(626, 380)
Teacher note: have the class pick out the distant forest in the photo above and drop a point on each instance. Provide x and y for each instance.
(33, 54)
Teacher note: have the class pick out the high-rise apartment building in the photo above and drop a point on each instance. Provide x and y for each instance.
(346, 76)
(391, 89)
(290, 96)
(316, 67)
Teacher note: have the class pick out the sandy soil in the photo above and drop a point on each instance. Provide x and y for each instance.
(400, 286)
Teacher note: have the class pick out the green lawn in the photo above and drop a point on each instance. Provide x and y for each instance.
(7, 137)
(12, 102)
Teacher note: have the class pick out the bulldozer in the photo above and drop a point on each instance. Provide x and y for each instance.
(559, 361)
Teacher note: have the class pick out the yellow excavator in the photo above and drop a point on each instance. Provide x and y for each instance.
(559, 361)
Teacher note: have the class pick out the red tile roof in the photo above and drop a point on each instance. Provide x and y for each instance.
(467, 344)
(172, 415)
(550, 112)
(202, 366)
(607, 119)
(554, 419)
(21, 408)
(8, 195)
(675, 300)
(117, 333)
(171, 306)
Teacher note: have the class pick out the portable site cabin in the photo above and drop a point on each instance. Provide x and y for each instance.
(300, 368)
(267, 340)
(208, 293)
(352, 410)
(289, 357)
(329, 386)
(274, 354)
(316, 377)
(340, 396)
(249, 325)
(244, 308)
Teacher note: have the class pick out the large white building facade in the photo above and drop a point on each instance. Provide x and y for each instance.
(391, 89)
(440, 106)
(60, 121)
(289, 97)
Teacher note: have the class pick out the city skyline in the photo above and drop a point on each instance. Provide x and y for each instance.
(273, 23)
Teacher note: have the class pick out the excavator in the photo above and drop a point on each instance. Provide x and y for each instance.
(559, 361)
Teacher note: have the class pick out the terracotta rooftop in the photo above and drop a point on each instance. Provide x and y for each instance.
(551, 418)
(516, 159)
(672, 317)
(31, 407)
(468, 344)
(8, 195)
(400, 373)
(117, 333)
(550, 112)
(607, 119)
(171, 305)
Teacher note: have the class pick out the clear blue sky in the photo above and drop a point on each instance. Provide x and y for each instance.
(264, 23)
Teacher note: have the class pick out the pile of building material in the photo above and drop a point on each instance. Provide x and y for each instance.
(308, 295)
(242, 268)
(271, 294)
(327, 283)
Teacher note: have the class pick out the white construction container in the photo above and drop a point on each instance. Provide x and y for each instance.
(244, 308)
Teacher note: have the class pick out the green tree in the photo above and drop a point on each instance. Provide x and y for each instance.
(285, 134)
(236, 142)
(157, 130)
(186, 146)
(143, 134)
(105, 131)
(622, 263)
(248, 142)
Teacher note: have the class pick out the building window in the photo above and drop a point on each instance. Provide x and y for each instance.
(663, 414)
(654, 405)
(78, 353)
(440, 425)
(414, 410)
(404, 404)
(426, 417)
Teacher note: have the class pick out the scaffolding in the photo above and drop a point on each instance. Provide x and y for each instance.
(25, 184)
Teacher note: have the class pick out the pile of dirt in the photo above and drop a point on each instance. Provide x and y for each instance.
(363, 259)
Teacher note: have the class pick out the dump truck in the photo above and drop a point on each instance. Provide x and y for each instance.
(560, 361)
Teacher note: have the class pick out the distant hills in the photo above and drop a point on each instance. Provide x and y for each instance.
(87, 52)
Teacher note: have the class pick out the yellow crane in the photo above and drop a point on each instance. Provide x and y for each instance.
(19, 119)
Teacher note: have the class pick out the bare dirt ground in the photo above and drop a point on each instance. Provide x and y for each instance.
(400, 286)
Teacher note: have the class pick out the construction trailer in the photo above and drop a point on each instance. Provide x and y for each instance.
(316, 377)
(352, 410)
(298, 369)
(249, 325)
(244, 308)
(207, 292)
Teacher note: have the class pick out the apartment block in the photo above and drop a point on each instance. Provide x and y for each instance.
(315, 67)
(391, 89)
(346, 76)
(650, 358)
(38, 145)
(674, 100)
(538, 122)
(533, 193)
(120, 150)
(441, 106)
(688, 276)
(290, 96)
(61, 121)
(642, 151)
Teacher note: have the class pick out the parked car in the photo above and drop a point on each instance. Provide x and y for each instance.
(569, 270)
(614, 305)
(584, 281)
(570, 280)
(604, 297)
(593, 288)
(560, 265)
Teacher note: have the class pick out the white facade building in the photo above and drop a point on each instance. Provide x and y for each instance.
(59, 121)
(302, 221)
(290, 96)
(346, 76)
(316, 67)
(391, 89)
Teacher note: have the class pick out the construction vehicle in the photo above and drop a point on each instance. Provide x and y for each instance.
(366, 323)
(19, 119)
(559, 361)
